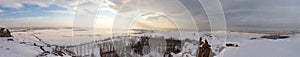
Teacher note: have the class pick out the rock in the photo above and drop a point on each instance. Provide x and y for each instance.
(7, 49)
(275, 37)
(254, 38)
(10, 39)
(231, 44)
(22, 42)
(5, 32)
(204, 49)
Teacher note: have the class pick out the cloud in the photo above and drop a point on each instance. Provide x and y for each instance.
(153, 16)
(262, 14)
(1, 11)
(84, 9)
(37, 21)
(62, 11)
(19, 3)
(24, 11)
(154, 21)
(188, 14)
(82, 5)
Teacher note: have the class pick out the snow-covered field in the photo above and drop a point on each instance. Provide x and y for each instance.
(264, 47)
(288, 47)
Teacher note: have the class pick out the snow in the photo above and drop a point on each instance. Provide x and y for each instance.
(16, 50)
(247, 48)
(265, 48)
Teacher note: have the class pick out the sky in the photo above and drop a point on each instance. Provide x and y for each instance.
(150, 14)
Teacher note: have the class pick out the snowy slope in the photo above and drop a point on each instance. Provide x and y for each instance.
(15, 49)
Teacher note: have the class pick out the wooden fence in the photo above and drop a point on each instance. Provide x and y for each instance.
(108, 49)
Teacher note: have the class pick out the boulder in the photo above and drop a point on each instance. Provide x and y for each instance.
(232, 44)
(5, 32)
(275, 37)
(10, 39)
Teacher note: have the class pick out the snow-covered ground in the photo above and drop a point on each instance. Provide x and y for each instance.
(15, 49)
(264, 47)
(247, 48)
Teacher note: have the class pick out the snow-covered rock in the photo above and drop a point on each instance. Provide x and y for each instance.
(4, 32)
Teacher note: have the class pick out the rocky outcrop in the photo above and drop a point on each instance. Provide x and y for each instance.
(204, 49)
(5, 32)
